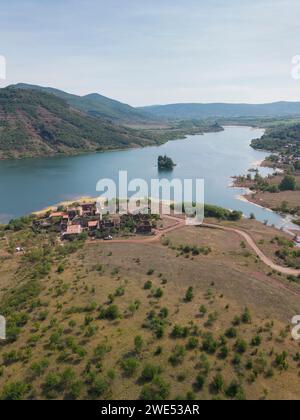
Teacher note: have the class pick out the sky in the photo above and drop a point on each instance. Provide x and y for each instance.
(146, 52)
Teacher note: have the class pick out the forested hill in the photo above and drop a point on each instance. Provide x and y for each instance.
(34, 123)
(97, 106)
(283, 139)
(222, 110)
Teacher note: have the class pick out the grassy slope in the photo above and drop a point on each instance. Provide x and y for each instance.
(37, 124)
(225, 282)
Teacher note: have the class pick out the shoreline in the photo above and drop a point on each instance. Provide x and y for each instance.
(246, 197)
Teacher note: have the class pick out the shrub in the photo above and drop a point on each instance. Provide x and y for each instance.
(288, 183)
(158, 293)
(189, 296)
(231, 333)
(217, 384)
(209, 344)
(14, 391)
(177, 356)
(200, 381)
(203, 310)
(180, 332)
(150, 372)
(192, 343)
(148, 285)
(158, 390)
(256, 341)
(38, 368)
(246, 317)
(138, 344)
(99, 388)
(235, 390)
(241, 346)
(281, 361)
(129, 366)
(111, 313)
(223, 352)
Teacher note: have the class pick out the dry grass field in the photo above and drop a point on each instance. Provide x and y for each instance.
(115, 321)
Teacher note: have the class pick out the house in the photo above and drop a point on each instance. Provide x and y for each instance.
(144, 228)
(88, 209)
(93, 225)
(72, 213)
(72, 230)
(108, 224)
(57, 215)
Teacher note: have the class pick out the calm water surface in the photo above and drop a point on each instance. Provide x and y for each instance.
(32, 184)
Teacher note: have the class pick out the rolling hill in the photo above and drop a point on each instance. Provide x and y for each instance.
(222, 110)
(34, 123)
(96, 105)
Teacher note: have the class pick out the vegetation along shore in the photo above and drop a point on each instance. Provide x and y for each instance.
(280, 191)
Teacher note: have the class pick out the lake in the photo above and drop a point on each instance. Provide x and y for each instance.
(33, 184)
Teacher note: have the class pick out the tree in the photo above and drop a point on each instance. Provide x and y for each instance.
(148, 285)
(288, 183)
(235, 390)
(165, 163)
(14, 391)
(241, 346)
(130, 366)
(246, 317)
(189, 296)
(281, 361)
(158, 390)
(150, 372)
(223, 352)
(112, 313)
(200, 381)
(217, 384)
(209, 344)
(203, 310)
(138, 344)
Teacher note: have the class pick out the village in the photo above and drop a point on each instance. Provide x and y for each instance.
(85, 219)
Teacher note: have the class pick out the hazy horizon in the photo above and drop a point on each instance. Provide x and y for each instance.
(141, 54)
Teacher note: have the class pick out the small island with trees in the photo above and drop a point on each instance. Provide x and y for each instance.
(165, 163)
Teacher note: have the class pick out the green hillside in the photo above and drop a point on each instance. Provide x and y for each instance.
(40, 124)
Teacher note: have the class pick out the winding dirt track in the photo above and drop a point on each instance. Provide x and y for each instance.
(245, 236)
(259, 253)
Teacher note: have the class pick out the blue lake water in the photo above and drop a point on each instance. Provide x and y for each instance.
(32, 184)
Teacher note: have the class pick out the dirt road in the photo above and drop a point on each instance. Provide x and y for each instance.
(258, 252)
(180, 222)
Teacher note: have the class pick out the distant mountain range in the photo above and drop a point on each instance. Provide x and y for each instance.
(96, 105)
(222, 110)
(100, 106)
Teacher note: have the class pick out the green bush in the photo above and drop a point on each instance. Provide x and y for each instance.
(158, 390)
(14, 391)
(150, 372)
